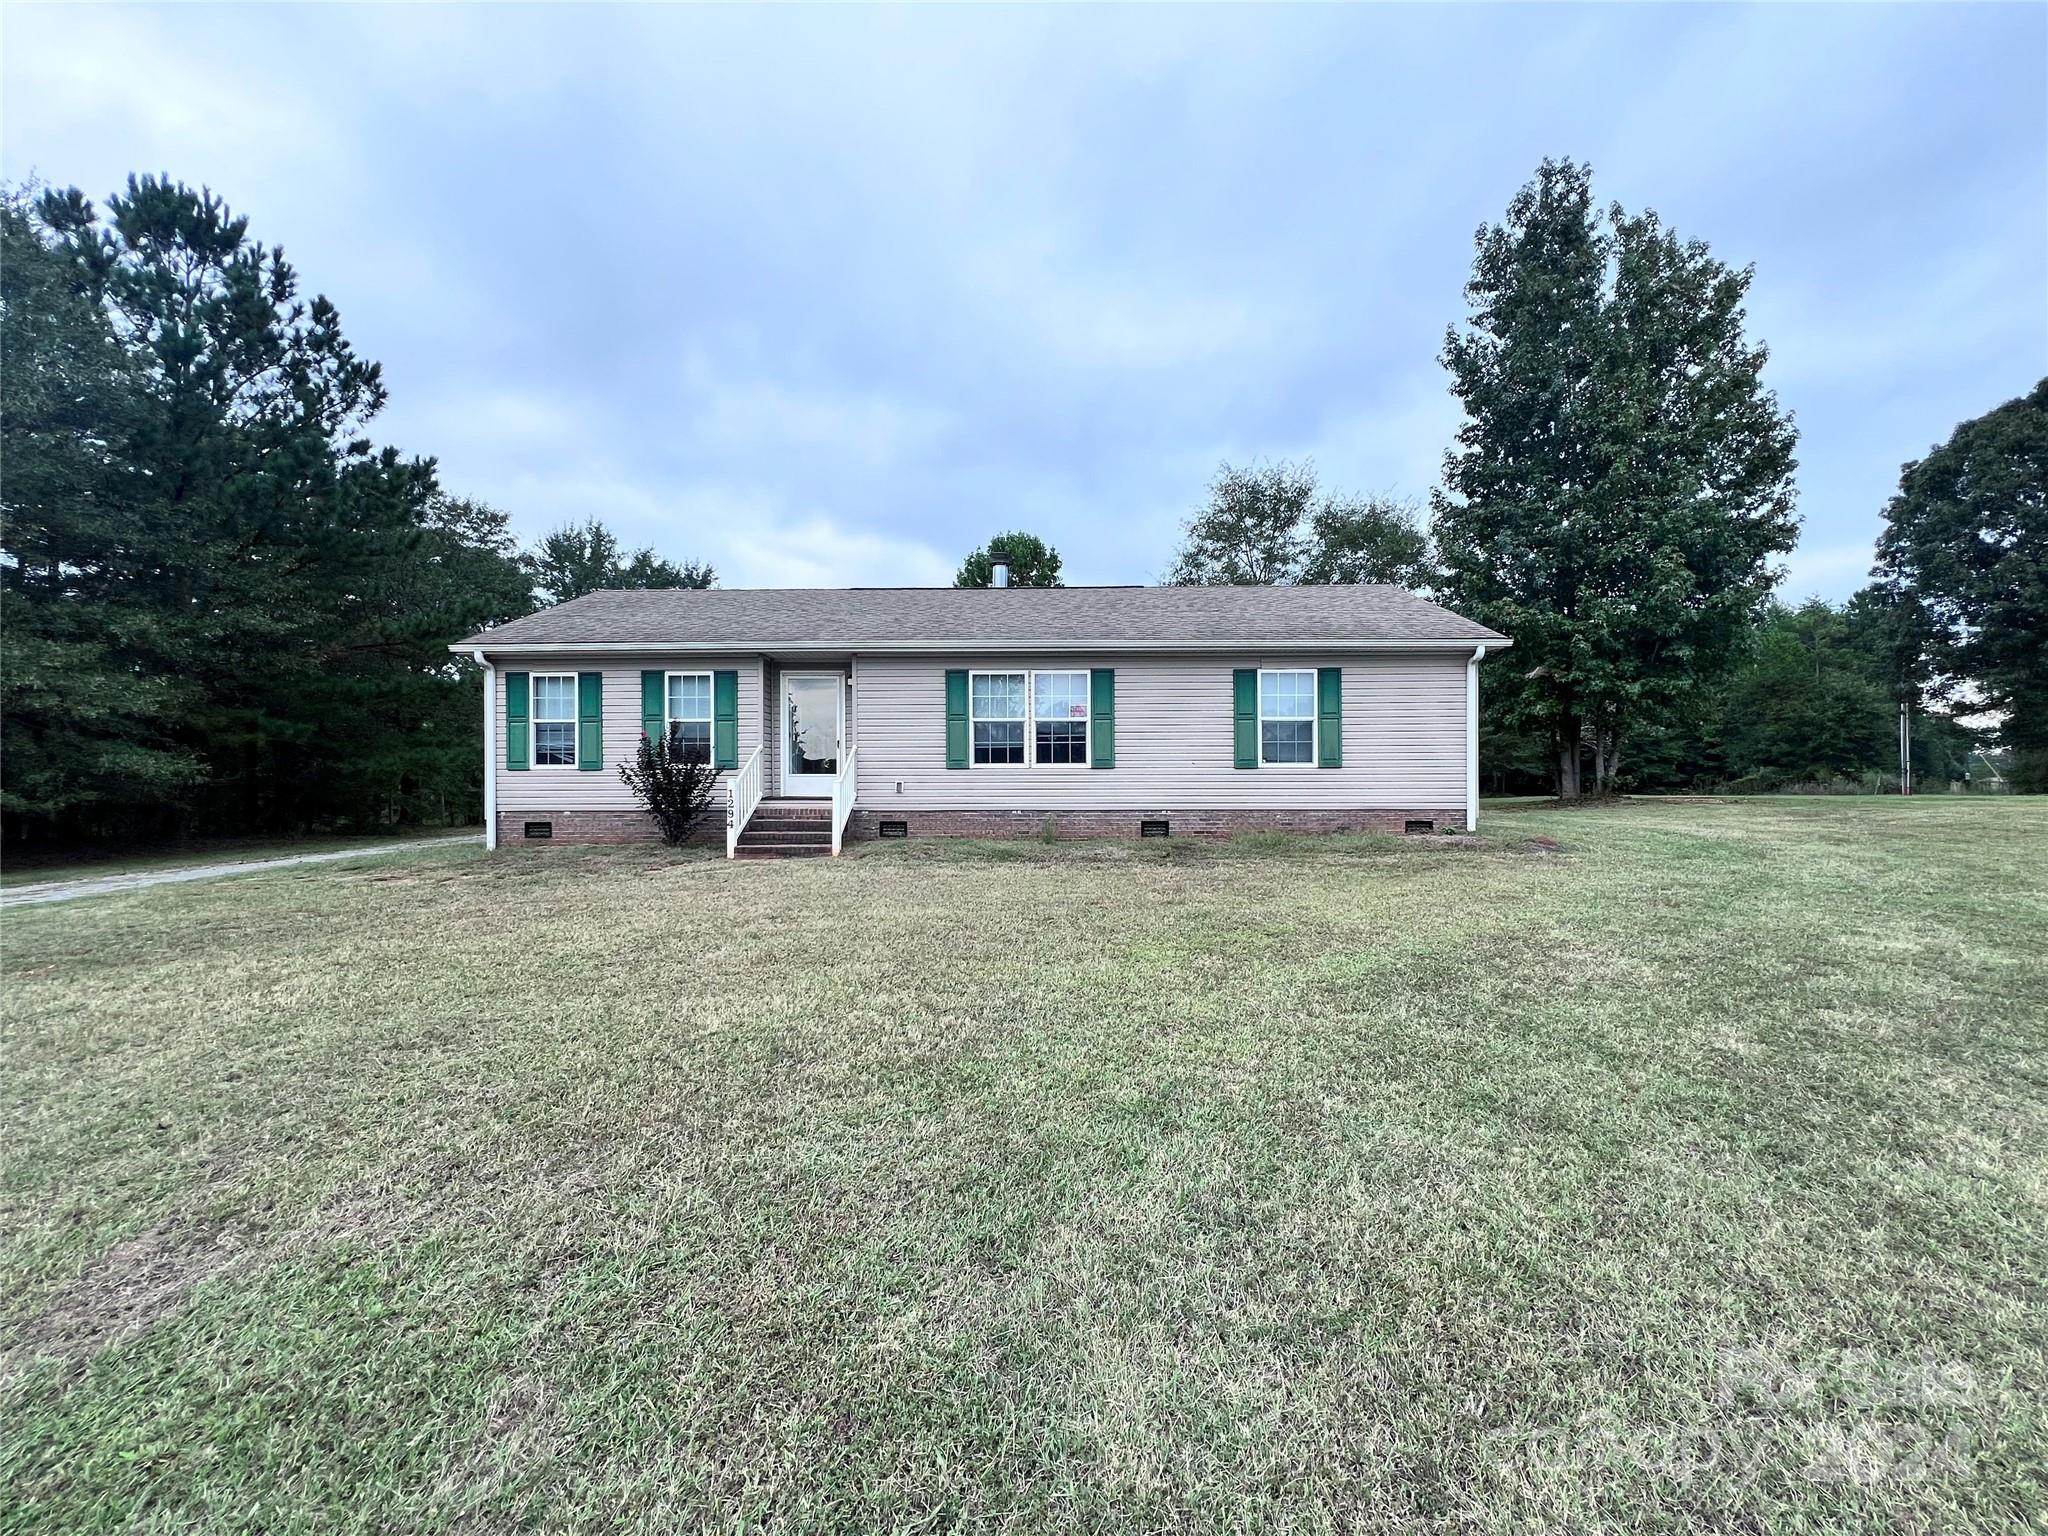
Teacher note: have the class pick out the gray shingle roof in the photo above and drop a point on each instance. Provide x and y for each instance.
(857, 618)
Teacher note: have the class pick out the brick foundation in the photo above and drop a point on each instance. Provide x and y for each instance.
(1184, 823)
(600, 827)
(637, 827)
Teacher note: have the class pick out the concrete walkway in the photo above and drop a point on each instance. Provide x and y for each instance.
(135, 880)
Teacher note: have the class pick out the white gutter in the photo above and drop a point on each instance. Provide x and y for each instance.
(1472, 739)
(490, 750)
(973, 647)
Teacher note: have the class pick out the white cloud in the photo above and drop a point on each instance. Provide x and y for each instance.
(750, 538)
(752, 545)
(732, 418)
(1393, 443)
(1934, 315)
(1832, 571)
(824, 296)
(547, 459)
(93, 94)
(494, 420)
(549, 495)
(742, 529)
(1086, 313)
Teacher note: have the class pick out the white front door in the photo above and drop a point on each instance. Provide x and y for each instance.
(813, 731)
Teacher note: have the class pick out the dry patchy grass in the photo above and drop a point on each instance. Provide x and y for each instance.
(1653, 1167)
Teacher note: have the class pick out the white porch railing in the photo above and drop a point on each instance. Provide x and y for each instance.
(842, 797)
(742, 798)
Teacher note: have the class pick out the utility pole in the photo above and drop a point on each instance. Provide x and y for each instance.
(1905, 748)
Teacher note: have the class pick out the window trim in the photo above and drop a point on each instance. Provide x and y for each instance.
(1030, 717)
(1315, 723)
(1087, 720)
(669, 719)
(974, 719)
(534, 721)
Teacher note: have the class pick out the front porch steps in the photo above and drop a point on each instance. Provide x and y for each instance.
(787, 829)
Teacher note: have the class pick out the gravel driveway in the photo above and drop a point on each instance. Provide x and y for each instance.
(107, 885)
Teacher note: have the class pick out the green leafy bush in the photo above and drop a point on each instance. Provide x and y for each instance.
(673, 783)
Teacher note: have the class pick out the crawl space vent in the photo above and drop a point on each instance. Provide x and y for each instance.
(1414, 827)
(540, 829)
(1155, 828)
(892, 829)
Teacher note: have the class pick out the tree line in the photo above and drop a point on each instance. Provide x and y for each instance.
(226, 609)
(1615, 501)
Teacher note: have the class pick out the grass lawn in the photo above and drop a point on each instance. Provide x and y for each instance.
(1693, 1174)
(31, 868)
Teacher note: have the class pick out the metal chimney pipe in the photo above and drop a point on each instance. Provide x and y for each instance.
(1001, 576)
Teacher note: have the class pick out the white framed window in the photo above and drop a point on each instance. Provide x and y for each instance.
(1287, 717)
(1059, 718)
(554, 719)
(689, 712)
(996, 711)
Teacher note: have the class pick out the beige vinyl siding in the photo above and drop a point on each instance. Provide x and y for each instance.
(573, 789)
(771, 726)
(1404, 738)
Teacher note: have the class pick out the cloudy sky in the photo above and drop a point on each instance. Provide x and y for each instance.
(828, 296)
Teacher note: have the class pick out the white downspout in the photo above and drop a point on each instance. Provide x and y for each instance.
(1472, 739)
(490, 751)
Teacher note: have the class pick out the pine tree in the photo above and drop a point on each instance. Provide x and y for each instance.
(234, 608)
(84, 727)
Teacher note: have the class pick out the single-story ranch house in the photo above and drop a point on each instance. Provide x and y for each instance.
(914, 711)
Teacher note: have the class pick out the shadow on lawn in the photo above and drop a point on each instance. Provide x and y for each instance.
(1309, 846)
(519, 865)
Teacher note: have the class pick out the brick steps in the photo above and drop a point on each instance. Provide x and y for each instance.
(787, 829)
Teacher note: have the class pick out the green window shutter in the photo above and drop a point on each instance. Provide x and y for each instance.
(1102, 717)
(653, 704)
(725, 719)
(590, 721)
(956, 718)
(516, 733)
(1329, 717)
(1244, 700)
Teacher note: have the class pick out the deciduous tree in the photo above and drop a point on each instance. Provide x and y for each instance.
(1252, 533)
(1622, 478)
(1805, 705)
(1965, 548)
(1369, 539)
(1032, 562)
(1273, 525)
(580, 558)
